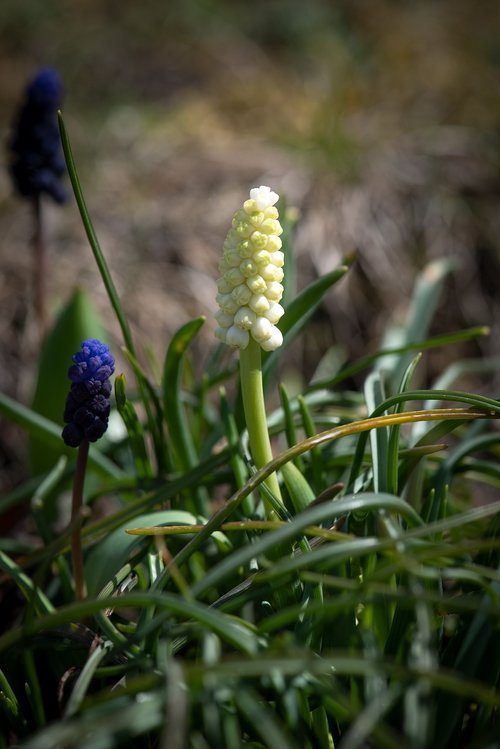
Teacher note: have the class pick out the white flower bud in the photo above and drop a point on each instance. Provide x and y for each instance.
(262, 329)
(237, 337)
(241, 295)
(274, 291)
(264, 197)
(242, 228)
(244, 318)
(258, 240)
(259, 303)
(248, 268)
(271, 226)
(232, 258)
(262, 258)
(275, 312)
(278, 258)
(251, 273)
(223, 266)
(224, 320)
(257, 217)
(274, 243)
(234, 277)
(272, 273)
(257, 285)
(227, 303)
(223, 287)
(273, 342)
(245, 249)
(249, 206)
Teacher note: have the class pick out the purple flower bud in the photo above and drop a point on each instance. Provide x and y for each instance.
(88, 403)
(37, 163)
(93, 362)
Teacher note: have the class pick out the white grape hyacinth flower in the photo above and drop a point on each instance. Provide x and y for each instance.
(251, 270)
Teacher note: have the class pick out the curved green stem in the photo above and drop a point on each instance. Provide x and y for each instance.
(255, 414)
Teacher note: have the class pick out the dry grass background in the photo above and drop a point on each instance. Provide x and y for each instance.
(379, 122)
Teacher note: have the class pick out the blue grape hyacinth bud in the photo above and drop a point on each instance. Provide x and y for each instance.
(37, 163)
(88, 403)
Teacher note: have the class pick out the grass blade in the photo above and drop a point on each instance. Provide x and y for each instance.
(365, 362)
(92, 237)
(180, 435)
(134, 429)
(82, 683)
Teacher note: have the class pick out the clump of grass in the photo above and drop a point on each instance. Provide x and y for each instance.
(361, 611)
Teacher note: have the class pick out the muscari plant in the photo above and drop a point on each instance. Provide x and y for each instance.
(86, 416)
(344, 593)
(36, 166)
(250, 292)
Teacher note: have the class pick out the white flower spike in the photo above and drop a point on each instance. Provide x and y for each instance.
(251, 273)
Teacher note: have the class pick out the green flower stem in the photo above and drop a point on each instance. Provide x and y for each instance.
(255, 415)
(76, 520)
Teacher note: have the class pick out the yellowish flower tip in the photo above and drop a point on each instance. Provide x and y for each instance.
(251, 270)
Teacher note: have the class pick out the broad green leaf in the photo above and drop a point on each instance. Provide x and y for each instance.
(77, 321)
(109, 555)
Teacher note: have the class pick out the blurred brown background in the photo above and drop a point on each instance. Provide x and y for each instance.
(378, 121)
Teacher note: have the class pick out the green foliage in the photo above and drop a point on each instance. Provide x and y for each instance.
(366, 613)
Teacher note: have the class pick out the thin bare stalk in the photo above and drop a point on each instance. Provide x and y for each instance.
(39, 267)
(76, 520)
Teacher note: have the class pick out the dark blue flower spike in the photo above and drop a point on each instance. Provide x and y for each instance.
(37, 162)
(88, 402)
